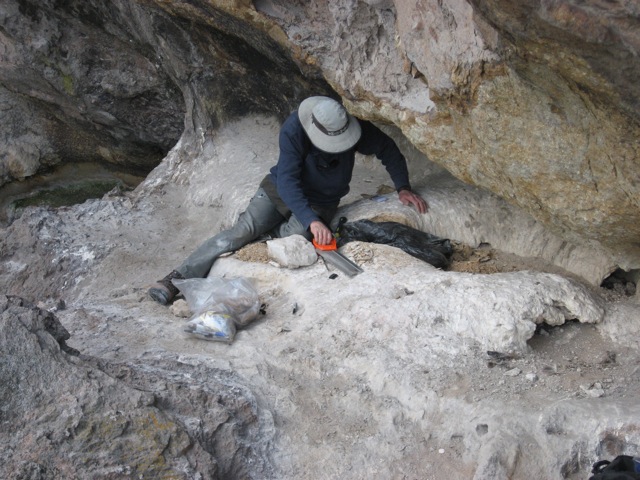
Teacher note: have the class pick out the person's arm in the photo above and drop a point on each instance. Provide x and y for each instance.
(375, 142)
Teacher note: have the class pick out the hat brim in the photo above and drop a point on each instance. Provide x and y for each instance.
(326, 143)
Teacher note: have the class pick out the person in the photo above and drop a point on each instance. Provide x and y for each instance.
(301, 193)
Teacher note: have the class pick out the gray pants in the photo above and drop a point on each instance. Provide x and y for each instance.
(260, 217)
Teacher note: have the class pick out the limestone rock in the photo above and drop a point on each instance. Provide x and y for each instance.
(292, 252)
(180, 308)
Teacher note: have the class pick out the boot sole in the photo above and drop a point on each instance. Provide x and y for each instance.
(159, 296)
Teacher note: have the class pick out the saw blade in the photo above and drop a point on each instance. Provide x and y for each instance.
(340, 261)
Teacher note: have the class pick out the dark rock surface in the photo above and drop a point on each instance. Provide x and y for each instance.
(118, 83)
(89, 89)
(69, 416)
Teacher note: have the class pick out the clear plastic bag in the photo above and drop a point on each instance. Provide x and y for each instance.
(219, 306)
(211, 325)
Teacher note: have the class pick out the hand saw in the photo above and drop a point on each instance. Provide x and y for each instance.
(330, 254)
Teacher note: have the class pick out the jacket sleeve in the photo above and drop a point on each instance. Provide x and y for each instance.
(293, 150)
(375, 142)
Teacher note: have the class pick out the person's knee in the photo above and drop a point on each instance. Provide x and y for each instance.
(294, 228)
(306, 234)
(298, 229)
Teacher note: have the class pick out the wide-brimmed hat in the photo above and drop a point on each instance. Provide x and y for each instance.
(328, 125)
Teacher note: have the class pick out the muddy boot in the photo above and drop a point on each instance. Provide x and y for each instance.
(164, 291)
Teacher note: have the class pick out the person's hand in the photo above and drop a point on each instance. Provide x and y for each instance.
(321, 233)
(407, 197)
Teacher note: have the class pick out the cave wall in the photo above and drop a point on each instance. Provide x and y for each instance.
(77, 88)
(119, 82)
(536, 102)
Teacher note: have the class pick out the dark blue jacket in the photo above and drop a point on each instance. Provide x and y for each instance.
(305, 175)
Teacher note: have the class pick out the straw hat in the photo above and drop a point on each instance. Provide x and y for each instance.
(328, 125)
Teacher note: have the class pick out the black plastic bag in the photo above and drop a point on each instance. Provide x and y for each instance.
(425, 246)
(621, 468)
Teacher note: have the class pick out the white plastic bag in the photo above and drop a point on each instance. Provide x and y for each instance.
(219, 306)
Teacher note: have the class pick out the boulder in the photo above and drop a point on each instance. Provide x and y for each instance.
(292, 252)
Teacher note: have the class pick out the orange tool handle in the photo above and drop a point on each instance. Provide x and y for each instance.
(330, 246)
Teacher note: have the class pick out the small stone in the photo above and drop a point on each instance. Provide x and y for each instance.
(608, 358)
(441, 450)
(514, 372)
(180, 308)
(292, 252)
(595, 392)
(532, 377)
(592, 391)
